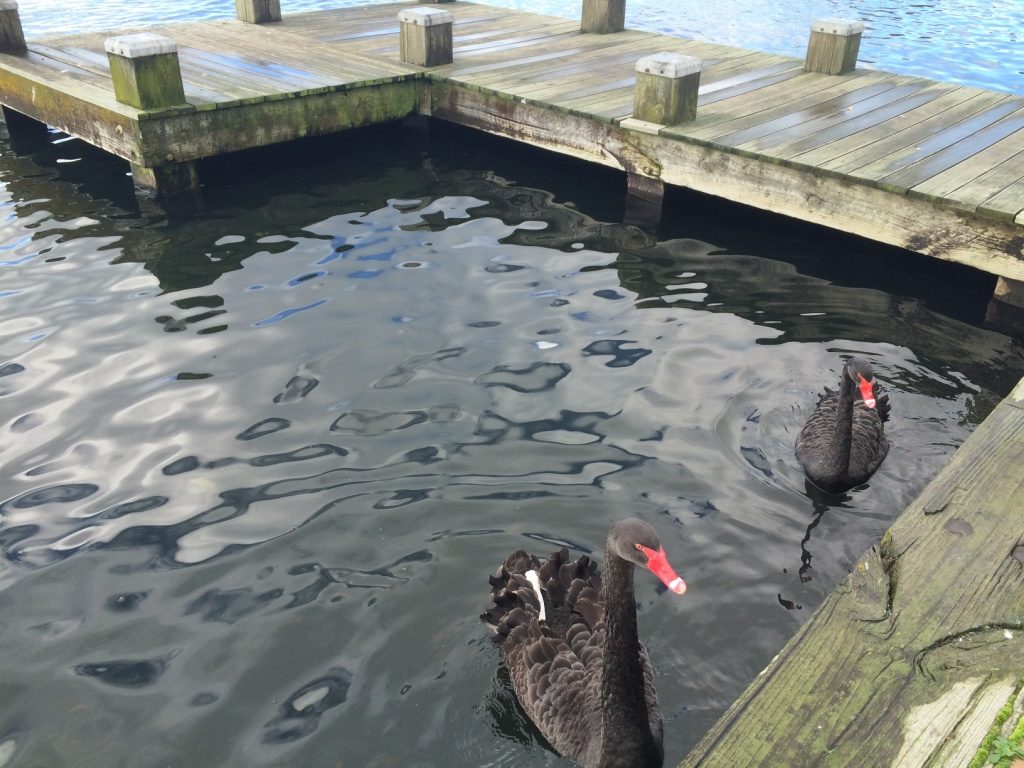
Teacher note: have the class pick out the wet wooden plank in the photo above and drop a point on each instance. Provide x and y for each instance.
(922, 638)
(1004, 203)
(830, 131)
(908, 137)
(807, 91)
(946, 136)
(832, 151)
(805, 122)
(979, 177)
(954, 153)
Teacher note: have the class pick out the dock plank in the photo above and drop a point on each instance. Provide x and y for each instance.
(979, 177)
(831, 131)
(949, 156)
(838, 148)
(942, 138)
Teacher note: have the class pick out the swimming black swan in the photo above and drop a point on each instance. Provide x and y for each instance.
(572, 650)
(843, 441)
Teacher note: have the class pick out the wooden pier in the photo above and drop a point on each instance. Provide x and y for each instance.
(934, 168)
(923, 643)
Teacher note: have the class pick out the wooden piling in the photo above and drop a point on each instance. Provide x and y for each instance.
(145, 71)
(146, 74)
(833, 46)
(258, 11)
(425, 36)
(666, 88)
(603, 16)
(12, 39)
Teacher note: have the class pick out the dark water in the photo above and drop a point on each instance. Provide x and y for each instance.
(974, 42)
(258, 463)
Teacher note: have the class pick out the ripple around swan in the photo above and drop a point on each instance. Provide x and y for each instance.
(269, 544)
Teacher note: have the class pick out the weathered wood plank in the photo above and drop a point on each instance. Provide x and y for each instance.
(885, 130)
(908, 137)
(979, 177)
(946, 136)
(1003, 204)
(213, 132)
(70, 105)
(806, 91)
(829, 131)
(950, 155)
(800, 123)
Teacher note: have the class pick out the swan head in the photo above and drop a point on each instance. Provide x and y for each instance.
(859, 371)
(637, 542)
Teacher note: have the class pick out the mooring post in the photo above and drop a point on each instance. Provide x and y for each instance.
(666, 88)
(425, 36)
(146, 74)
(12, 39)
(145, 71)
(833, 46)
(603, 16)
(258, 11)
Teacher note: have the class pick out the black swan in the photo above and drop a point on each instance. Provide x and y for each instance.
(572, 651)
(843, 441)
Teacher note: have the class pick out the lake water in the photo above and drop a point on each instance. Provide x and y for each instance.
(258, 462)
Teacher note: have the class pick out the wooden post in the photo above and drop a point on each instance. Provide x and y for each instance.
(146, 75)
(644, 198)
(145, 71)
(12, 39)
(258, 11)
(833, 46)
(425, 36)
(603, 16)
(666, 88)
(1006, 308)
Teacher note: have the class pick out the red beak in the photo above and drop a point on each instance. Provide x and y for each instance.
(867, 391)
(657, 563)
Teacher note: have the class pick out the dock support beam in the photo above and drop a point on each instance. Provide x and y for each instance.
(1006, 308)
(12, 39)
(258, 11)
(644, 198)
(666, 88)
(833, 47)
(146, 75)
(425, 36)
(603, 16)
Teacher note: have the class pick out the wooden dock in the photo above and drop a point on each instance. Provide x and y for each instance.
(931, 167)
(909, 661)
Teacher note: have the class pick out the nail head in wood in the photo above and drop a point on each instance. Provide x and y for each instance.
(833, 46)
(425, 36)
(145, 71)
(666, 88)
(258, 11)
(603, 16)
(12, 38)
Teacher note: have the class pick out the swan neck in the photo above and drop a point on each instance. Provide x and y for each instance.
(624, 704)
(842, 435)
